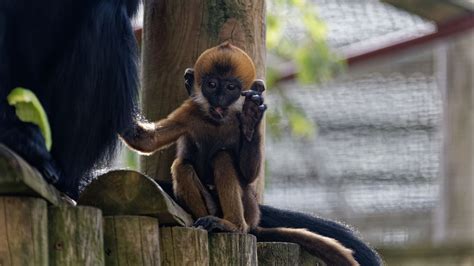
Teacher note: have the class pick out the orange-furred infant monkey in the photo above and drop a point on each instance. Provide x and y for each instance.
(218, 156)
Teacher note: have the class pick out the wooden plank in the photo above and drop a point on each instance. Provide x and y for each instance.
(125, 192)
(232, 249)
(424, 254)
(131, 240)
(23, 231)
(278, 253)
(75, 236)
(455, 221)
(440, 11)
(18, 178)
(184, 246)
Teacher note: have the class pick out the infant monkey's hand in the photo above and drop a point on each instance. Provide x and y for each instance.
(253, 109)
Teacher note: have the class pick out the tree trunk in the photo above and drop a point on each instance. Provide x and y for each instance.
(175, 33)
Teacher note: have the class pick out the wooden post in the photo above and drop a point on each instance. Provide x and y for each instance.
(18, 178)
(131, 240)
(456, 216)
(306, 259)
(75, 236)
(184, 246)
(232, 249)
(23, 231)
(175, 33)
(278, 253)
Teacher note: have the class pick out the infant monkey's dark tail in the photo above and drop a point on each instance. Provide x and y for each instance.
(325, 248)
(275, 218)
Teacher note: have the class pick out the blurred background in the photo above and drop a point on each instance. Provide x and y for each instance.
(371, 122)
(391, 152)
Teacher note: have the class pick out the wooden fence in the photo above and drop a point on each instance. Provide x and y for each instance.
(122, 218)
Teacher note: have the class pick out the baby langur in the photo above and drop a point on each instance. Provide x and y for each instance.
(218, 137)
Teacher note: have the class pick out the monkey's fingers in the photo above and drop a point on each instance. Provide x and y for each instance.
(189, 80)
(249, 93)
(257, 99)
(258, 85)
(254, 96)
(188, 71)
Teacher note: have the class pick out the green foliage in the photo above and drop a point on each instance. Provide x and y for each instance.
(29, 109)
(131, 158)
(295, 33)
(289, 117)
(296, 36)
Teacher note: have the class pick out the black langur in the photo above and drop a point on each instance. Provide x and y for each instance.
(218, 152)
(79, 58)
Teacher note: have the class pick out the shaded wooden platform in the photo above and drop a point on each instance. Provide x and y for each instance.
(129, 220)
(126, 192)
(18, 178)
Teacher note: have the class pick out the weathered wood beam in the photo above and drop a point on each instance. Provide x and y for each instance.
(455, 213)
(18, 178)
(125, 192)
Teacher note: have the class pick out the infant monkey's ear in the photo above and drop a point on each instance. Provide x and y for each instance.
(189, 80)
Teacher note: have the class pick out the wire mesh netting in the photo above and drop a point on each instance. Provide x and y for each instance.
(374, 162)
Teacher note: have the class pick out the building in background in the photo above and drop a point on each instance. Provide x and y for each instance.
(377, 161)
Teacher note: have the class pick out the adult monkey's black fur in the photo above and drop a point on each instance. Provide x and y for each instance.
(79, 57)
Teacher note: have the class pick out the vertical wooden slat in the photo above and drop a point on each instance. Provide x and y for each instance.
(232, 249)
(23, 231)
(278, 253)
(184, 246)
(131, 240)
(75, 236)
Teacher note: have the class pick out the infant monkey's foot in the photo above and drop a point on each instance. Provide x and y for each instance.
(214, 224)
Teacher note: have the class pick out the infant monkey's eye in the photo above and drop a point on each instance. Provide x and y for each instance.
(231, 87)
(211, 84)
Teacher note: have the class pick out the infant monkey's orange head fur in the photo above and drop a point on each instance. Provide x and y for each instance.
(226, 60)
(221, 73)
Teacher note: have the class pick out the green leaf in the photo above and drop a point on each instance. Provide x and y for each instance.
(300, 124)
(29, 109)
